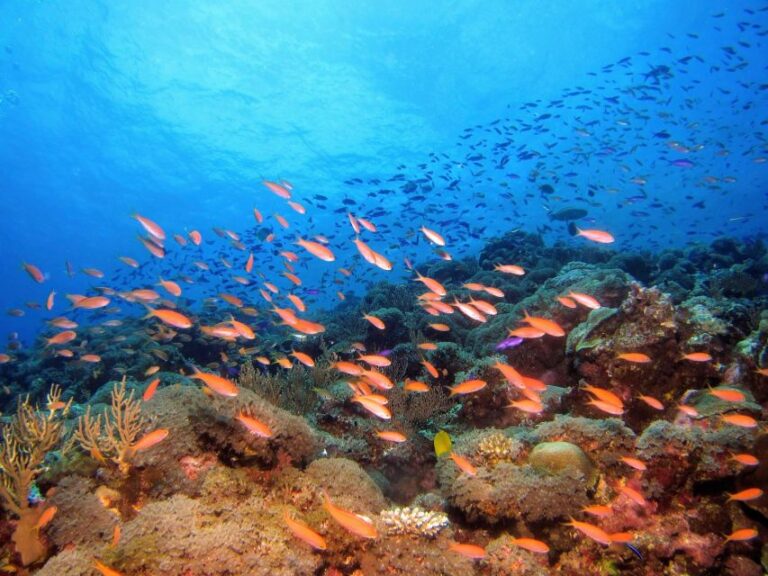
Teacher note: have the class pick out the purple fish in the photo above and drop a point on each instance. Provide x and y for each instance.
(683, 163)
(509, 343)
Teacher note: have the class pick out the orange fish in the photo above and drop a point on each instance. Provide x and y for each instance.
(151, 227)
(635, 463)
(431, 284)
(566, 301)
(545, 325)
(148, 440)
(430, 368)
(526, 332)
(742, 535)
(354, 523)
(636, 357)
(511, 375)
(61, 338)
(585, 300)
(349, 368)
(375, 360)
(305, 359)
(528, 405)
(170, 317)
(433, 236)
(391, 436)
(746, 459)
(150, 390)
(91, 302)
(440, 327)
(92, 358)
(34, 272)
(600, 236)
(94, 272)
(278, 189)
(254, 426)
(304, 533)
(468, 387)
(471, 551)
(741, 420)
(128, 261)
(297, 207)
(607, 407)
(46, 517)
(746, 495)
(376, 322)
(463, 464)
(652, 402)
(317, 250)
(427, 346)
(697, 357)
(414, 386)
(216, 383)
(536, 546)
(297, 302)
(49, 300)
(106, 570)
(591, 531)
(633, 495)
(196, 237)
(510, 269)
(599, 510)
(689, 411)
(727, 394)
(604, 395)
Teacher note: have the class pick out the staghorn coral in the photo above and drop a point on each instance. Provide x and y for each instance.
(413, 520)
(25, 442)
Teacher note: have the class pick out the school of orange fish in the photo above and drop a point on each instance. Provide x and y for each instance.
(369, 384)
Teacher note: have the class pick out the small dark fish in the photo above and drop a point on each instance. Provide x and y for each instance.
(635, 551)
(567, 214)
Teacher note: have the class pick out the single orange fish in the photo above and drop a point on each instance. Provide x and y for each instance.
(635, 463)
(431, 284)
(217, 383)
(585, 300)
(278, 189)
(414, 386)
(34, 272)
(148, 440)
(599, 510)
(373, 407)
(591, 531)
(741, 420)
(510, 269)
(746, 495)
(317, 250)
(391, 436)
(741, 535)
(471, 551)
(566, 301)
(530, 406)
(468, 387)
(652, 402)
(545, 325)
(150, 390)
(463, 464)
(305, 359)
(376, 322)
(599, 236)
(746, 459)
(727, 394)
(254, 426)
(636, 357)
(106, 570)
(430, 368)
(532, 545)
(61, 338)
(697, 357)
(354, 523)
(170, 317)
(304, 532)
(46, 517)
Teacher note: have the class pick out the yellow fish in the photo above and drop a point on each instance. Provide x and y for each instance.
(443, 443)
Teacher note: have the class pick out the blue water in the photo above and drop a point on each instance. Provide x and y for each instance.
(178, 110)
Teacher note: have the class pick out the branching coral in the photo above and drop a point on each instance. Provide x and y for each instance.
(25, 442)
(111, 435)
